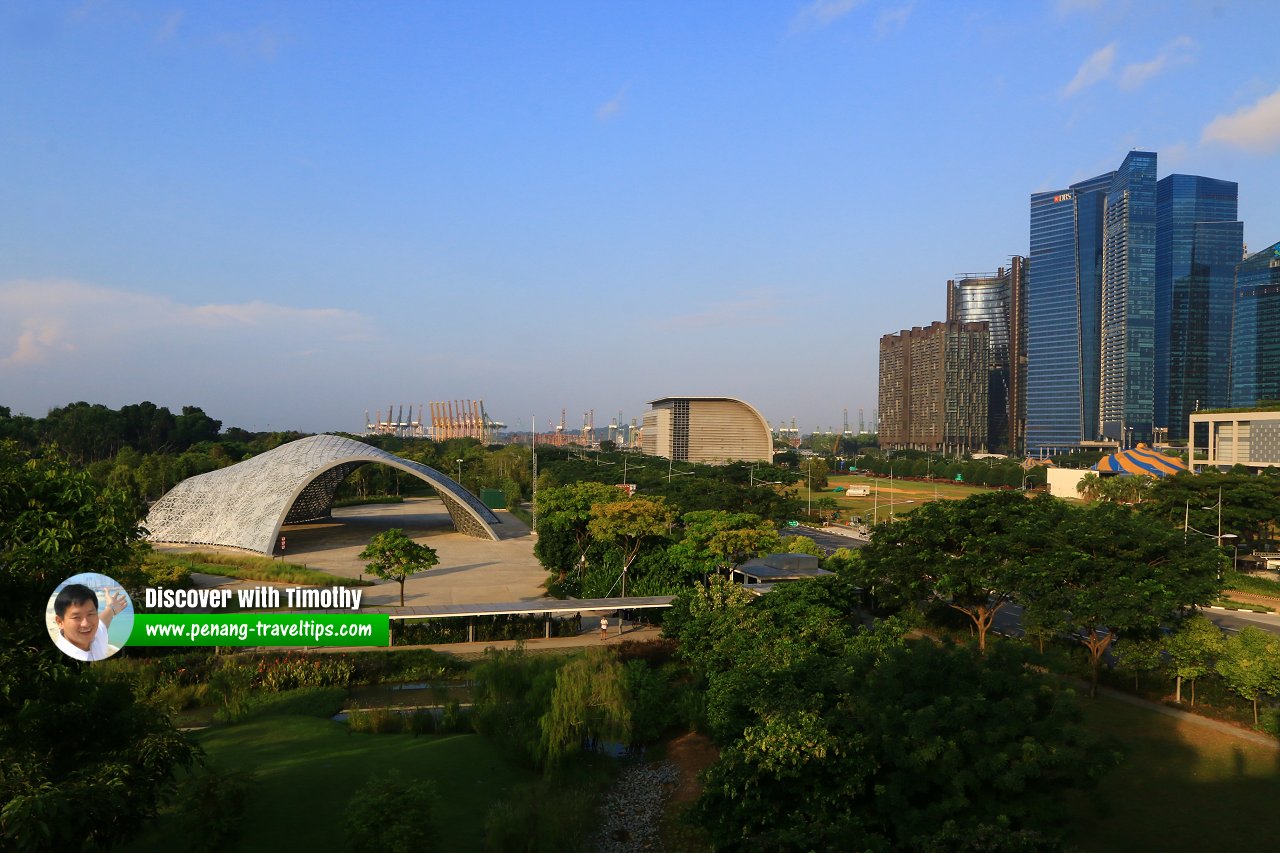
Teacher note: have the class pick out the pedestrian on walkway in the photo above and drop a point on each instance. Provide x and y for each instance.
(604, 627)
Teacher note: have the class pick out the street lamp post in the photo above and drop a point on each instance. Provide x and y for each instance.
(459, 472)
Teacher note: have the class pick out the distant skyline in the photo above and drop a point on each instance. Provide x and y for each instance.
(290, 213)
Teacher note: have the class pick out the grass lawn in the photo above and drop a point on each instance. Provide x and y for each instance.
(1182, 787)
(247, 567)
(902, 496)
(309, 767)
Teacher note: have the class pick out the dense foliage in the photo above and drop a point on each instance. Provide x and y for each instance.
(839, 737)
(83, 761)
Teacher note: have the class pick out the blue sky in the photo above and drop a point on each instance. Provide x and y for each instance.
(291, 212)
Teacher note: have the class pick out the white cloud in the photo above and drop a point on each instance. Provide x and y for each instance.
(1177, 52)
(58, 322)
(822, 13)
(612, 108)
(1093, 70)
(893, 20)
(1254, 128)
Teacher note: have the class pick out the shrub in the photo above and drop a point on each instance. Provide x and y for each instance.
(378, 721)
(391, 814)
(213, 807)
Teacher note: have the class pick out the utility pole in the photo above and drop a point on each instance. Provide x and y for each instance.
(533, 436)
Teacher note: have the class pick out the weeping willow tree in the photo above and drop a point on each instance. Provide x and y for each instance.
(589, 700)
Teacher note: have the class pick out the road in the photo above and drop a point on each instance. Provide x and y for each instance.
(827, 541)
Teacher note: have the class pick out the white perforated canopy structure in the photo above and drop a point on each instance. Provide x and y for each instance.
(246, 504)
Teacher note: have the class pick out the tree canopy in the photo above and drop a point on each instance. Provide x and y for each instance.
(83, 762)
(394, 556)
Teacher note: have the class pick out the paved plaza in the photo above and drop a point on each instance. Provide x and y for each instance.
(471, 570)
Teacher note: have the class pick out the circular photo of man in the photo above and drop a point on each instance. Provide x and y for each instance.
(89, 616)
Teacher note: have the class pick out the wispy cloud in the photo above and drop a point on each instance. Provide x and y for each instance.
(169, 29)
(754, 309)
(1253, 128)
(613, 107)
(49, 321)
(1093, 70)
(1177, 52)
(1069, 7)
(822, 13)
(260, 42)
(892, 20)
(1101, 65)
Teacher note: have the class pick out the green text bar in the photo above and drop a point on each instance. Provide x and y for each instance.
(260, 629)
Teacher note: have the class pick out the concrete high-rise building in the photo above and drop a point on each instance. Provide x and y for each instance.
(998, 299)
(1255, 329)
(1126, 395)
(712, 430)
(933, 387)
(1199, 242)
(1063, 307)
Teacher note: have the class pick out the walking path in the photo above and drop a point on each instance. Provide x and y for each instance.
(1188, 716)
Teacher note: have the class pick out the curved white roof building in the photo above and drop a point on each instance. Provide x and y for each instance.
(713, 430)
(246, 504)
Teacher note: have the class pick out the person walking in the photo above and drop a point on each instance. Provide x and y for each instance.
(604, 627)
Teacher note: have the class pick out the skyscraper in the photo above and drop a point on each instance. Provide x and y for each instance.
(933, 387)
(1127, 392)
(1063, 305)
(1198, 245)
(1255, 329)
(998, 299)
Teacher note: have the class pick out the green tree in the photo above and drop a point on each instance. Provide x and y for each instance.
(589, 700)
(1137, 656)
(83, 763)
(972, 554)
(814, 471)
(1250, 665)
(563, 515)
(391, 814)
(715, 541)
(394, 556)
(628, 524)
(1107, 570)
(1192, 649)
(906, 748)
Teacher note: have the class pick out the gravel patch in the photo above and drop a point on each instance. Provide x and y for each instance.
(632, 810)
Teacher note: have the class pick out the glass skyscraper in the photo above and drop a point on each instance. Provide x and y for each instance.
(1198, 245)
(998, 299)
(1064, 298)
(1127, 391)
(1255, 330)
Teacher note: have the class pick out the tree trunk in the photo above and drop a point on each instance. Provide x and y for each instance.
(1255, 712)
(1193, 693)
(1177, 690)
(402, 592)
(1097, 647)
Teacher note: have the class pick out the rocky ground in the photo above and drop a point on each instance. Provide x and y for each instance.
(631, 814)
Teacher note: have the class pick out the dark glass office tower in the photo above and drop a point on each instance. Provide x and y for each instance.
(1255, 330)
(1127, 391)
(1198, 245)
(1064, 287)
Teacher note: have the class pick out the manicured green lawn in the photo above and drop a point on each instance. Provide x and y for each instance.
(308, 768)
(900, 496)
(1182, 787)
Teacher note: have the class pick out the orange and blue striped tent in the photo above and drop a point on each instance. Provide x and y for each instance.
(1141, 460)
